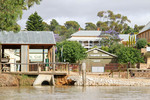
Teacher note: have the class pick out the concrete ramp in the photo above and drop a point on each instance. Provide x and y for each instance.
(42, 78)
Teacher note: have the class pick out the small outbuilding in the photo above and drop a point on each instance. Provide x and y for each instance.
(97, 59)
(25, 40)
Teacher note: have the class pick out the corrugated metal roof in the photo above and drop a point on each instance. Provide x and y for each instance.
(87, 33)
(147, 27)
(27, 37)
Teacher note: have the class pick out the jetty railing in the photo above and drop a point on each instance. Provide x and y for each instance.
(40, 67)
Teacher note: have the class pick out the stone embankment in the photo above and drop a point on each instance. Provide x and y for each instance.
(106, 81)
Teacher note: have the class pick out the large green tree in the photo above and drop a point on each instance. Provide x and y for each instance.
(34, 23)
(72, 24)
(109, 20)
(129, 54)
(11, 12)
(53, 24)
(90, 26)
(70, 51)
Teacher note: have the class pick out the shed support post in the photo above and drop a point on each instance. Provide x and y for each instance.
(53, 58)
(0, 59)
(24, 58)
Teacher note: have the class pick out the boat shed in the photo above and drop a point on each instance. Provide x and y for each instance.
(25, 40)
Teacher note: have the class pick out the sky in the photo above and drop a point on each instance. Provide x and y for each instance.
(82, 11)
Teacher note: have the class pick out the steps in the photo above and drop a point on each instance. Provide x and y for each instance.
(42, 77)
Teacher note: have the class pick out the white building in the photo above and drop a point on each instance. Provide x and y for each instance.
(89, 39)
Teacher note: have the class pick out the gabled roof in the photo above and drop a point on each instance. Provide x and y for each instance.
(27, 37)
(101, 51)
(87, 33)
(147, 27)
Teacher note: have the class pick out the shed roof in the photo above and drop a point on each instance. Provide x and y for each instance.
(102, 51)
(87, 33)
(27, 37)
(147, 27)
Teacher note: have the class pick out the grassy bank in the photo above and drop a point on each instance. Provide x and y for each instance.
(25, 80)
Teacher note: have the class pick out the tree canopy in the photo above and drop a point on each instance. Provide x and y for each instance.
(11, 12)
(90, 26)
(34, 23)
(129, 54)
(70, 51)
(72, 24)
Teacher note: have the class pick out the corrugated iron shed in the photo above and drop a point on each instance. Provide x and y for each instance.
(27, 37)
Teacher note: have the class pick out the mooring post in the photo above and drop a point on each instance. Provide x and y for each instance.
(39, 68)
(68, 68)
(127, 73)
(84, 73)
(79, 69)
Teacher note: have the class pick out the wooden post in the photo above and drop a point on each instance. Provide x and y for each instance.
(0, 59)
(79, 69)
(68, 68)
(54, 58)
(119, 73)
(112, 74)
(39, 68)
(128, 73)
(84, 74)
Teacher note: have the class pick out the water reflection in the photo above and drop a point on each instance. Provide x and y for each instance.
(74, 93)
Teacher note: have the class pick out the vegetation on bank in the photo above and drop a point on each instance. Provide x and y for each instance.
(25, 80)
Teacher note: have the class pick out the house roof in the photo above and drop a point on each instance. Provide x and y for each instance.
(84, 39)
(87, 33)
(147, 27)
(27, 37)
(101, 51)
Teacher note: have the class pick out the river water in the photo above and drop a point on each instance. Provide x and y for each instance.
(75, 93)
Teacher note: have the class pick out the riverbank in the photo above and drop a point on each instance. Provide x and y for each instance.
(7, 80)
(107, 81)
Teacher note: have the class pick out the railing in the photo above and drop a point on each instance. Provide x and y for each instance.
(40, 67)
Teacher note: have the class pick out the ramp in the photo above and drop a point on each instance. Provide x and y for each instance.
(41, 78)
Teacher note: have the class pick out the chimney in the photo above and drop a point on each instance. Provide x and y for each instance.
(79, 28)
(97, 29)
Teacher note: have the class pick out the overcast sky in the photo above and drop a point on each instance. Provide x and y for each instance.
(82, 11)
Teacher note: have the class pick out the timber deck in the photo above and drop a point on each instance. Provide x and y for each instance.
(37, 73)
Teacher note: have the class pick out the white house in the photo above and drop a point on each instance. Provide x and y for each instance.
(89, 39)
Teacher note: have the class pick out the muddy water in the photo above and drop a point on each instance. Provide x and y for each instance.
(75, 93)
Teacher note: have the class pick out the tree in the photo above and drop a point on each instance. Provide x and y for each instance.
(141, 43)
(34, 23)
(53, 24)
(109, 20)
(111, 37)
(70, 51)
(46, 26)
(129, 54)
(90, 26)
(11, 12)
(72, 24)
(114, 48)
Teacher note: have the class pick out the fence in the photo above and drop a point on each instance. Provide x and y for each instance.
(41, 67)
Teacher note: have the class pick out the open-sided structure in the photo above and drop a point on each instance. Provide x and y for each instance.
(25, 40)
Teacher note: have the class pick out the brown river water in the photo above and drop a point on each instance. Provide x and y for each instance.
(75, 93)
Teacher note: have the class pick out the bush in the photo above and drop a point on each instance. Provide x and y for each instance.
(141, 43)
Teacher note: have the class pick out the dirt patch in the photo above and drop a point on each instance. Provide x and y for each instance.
(62, 80)
(8, 80)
